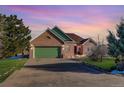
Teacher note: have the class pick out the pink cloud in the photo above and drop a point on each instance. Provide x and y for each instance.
(85, 30)
(39, 11)
(97, 20)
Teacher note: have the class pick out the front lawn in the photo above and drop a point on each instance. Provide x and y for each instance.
(106, 64)
(7, 66)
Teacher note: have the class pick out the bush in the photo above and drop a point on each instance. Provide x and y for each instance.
(113, 68)
(120, 65)
(98, 53)
(93, 57)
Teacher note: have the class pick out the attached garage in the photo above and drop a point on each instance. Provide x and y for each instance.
(47, 52)
(53, 43)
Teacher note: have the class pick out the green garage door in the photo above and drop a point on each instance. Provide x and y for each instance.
(47, 52)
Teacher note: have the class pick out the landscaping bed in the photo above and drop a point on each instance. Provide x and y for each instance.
(8, 66)
(107, 64)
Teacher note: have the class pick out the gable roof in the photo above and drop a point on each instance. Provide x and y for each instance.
(60, 34)
(66, 36)
(88, 39)
(46, 39)
(57, 33)
(75, 37)
(84, 40)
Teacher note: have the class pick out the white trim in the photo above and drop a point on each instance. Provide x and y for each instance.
(85, 42)
(88, 40)
(33, 50)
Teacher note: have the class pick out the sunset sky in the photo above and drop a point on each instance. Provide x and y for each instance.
(86, 21)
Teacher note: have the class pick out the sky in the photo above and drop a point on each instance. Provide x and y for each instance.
(84, 20)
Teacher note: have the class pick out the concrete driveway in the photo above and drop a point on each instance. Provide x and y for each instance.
(60, 73)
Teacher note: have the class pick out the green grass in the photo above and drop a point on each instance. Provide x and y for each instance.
(10, 65)
(106, 64)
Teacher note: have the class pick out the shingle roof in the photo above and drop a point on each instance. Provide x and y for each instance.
(60, 34)
(75, 37)
(90, 39)
(67, 36)
(84, 40)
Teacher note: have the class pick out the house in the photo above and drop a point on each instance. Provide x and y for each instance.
(54, 43)
(83, 46)
(86, 46)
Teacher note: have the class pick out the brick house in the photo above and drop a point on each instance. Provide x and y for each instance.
(54, 43)
(83, 46)
(86, 46)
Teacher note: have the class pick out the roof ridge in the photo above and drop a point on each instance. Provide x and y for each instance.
(62, 32)
(55, 35)
(76, 35)
(40, 34)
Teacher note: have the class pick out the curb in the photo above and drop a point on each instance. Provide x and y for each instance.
(7, 73)
(97, 68)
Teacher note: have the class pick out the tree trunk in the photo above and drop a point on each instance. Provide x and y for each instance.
(116, 60)
(101, 58)
(15, 54)
(22, 53)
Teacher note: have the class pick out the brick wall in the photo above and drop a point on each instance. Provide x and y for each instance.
(68, 51)
(87, 48)
(46, 39)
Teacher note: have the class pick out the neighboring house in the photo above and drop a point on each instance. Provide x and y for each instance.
(54, 43)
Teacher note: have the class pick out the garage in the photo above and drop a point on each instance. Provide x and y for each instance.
(47, 52)
(52, 43)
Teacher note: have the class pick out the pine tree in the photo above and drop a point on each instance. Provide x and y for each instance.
(113, 45)
(116, 45)
(116, 42)
(15, 36)
(120, 35)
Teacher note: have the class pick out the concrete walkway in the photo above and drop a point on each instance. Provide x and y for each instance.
(60, 73)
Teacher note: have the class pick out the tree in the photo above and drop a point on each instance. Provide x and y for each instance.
(116, 42)
(15, 36)
(113, 45)
(116, 45)
(120, 35)
(2, 20)
(98, 52)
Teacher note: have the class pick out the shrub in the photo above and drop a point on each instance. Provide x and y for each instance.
(97, 53)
